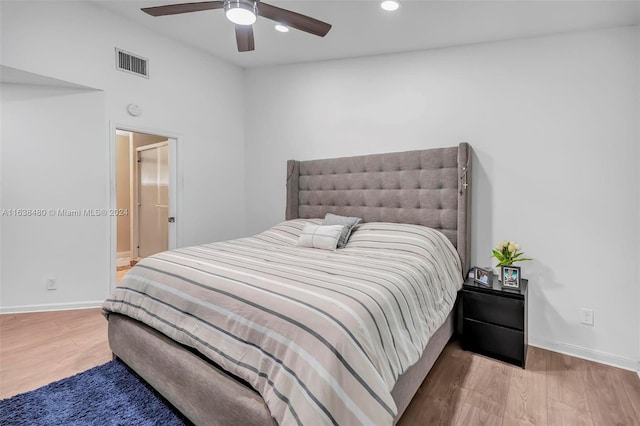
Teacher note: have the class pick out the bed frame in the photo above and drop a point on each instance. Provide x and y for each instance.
(428, 187)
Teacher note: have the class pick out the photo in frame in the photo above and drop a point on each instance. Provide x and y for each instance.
(482, 276)
(510, 276)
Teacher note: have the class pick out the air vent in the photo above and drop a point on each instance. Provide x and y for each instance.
(128, 62)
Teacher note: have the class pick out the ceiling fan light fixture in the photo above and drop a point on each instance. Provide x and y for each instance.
(282, 28)
(241, 12)
(390, 5)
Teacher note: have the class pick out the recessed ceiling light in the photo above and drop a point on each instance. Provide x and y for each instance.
(390, 5)
(282, 28)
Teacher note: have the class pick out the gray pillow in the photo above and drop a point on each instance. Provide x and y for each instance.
(347, 222)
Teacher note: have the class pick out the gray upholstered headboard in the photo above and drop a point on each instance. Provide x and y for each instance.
(430, 187)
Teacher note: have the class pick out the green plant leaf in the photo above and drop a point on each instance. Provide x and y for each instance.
(498, 255)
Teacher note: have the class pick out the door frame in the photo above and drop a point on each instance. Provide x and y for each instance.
(135, 202)
(175, 189)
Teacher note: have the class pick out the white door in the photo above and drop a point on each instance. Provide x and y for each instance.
(153, 199)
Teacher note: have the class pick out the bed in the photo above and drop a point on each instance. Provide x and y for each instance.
(391, 193)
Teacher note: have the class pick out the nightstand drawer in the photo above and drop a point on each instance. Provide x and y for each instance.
(503, 311)
(501, 342)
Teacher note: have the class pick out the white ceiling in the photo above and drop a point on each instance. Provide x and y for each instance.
(362, 28)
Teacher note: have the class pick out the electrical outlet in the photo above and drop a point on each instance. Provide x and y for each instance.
(52, 284)
(586, 316)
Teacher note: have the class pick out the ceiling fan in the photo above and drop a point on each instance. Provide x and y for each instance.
(244, 13)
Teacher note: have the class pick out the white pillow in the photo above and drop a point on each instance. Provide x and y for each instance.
(320, 236)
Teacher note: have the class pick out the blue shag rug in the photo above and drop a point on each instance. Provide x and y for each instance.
(110, 394)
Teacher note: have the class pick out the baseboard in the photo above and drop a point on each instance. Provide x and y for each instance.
(50, 307)
(123, 258)
(588, 354)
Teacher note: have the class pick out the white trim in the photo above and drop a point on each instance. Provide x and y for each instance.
(175, 239)
(152, 145)
(586, 353)
(638, 207)
(123, 258)
(176, 176)
(51, 307)
(133, 197)
(122, 262)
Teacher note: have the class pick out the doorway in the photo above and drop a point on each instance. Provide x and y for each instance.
(145, 194)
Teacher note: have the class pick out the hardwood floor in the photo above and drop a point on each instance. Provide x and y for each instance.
(462, 388)
(555, 389)
(42, 347)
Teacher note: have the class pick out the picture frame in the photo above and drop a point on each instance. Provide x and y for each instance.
(511, 276)
(482, 276)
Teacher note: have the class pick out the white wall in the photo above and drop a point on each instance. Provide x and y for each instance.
(66, 134)
(638, 192)
(553, 122)
(189, 93)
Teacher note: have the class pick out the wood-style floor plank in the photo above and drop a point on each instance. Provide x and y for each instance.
(432, 411)
(565, 380)
(441, 393)
(477, 409)
(491, 380)
(462, 389)
(527, 395)
(561, 414)
(608, 400)
(42, 347)
(631, 385)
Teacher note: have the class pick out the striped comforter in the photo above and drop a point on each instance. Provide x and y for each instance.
(321, 335)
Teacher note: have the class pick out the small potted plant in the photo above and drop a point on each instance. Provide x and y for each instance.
(507, 253)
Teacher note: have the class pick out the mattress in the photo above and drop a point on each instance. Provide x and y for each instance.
(322, 335)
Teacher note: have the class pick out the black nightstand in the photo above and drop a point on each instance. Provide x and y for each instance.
(494, 320)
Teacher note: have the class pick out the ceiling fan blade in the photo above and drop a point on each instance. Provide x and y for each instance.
(244, 38)
(293, 19)
(174, 9)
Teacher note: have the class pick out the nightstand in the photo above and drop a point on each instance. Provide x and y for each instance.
(494, 320)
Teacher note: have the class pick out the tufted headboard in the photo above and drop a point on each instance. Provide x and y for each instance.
(431, 187)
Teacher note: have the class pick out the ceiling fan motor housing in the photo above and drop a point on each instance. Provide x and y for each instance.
(250, 5)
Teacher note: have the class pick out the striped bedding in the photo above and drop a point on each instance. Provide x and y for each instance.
(321, 335)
